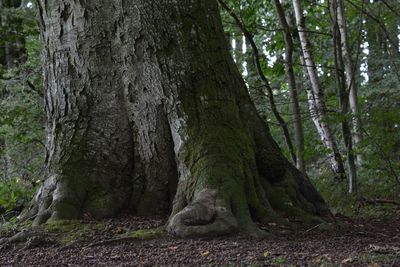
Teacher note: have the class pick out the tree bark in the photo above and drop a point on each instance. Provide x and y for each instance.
(316, 99)
(239, 57)
(341, 79)
(294, 101)
(142, 93)
(350, 72)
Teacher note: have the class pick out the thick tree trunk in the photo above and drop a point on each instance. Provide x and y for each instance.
(316, 99)
(140, 93)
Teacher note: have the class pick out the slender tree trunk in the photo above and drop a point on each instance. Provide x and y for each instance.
(252, 76)
(239, 57)
(350, 68)
(316, 99)
(142, 93)
(341, 79)
(295, 107)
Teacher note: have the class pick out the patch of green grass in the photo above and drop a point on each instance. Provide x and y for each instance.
(279, 261)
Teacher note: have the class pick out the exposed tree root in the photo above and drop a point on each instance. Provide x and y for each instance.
(206, 215)
(31, 237)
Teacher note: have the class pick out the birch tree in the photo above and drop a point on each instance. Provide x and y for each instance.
(316, 101)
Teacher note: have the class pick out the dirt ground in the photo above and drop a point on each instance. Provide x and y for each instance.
(133, 241)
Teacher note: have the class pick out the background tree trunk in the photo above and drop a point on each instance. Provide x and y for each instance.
(316, 99)
(294, 100)
(140, 93)
(350, 72)
(239, 56)
(345, 83)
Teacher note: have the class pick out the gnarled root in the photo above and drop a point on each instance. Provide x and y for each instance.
(206, 215)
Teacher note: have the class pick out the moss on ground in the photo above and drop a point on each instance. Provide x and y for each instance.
(61, 226)
(69, 231)
(145, 234)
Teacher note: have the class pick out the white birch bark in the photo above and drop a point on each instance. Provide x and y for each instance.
(350, 75)
(316, 100)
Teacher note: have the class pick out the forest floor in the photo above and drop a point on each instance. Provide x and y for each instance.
(133, 241)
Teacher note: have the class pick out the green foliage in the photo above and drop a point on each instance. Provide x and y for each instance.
(378, 82)
(341, 202)
(279, 261)
(21, 108)
(15, 193)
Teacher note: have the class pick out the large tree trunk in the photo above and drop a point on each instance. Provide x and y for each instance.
(140, 93)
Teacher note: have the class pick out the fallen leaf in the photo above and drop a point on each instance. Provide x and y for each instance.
(205, 253)
(348, 260)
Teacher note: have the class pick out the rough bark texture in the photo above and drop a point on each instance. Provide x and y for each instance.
(142, 93)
